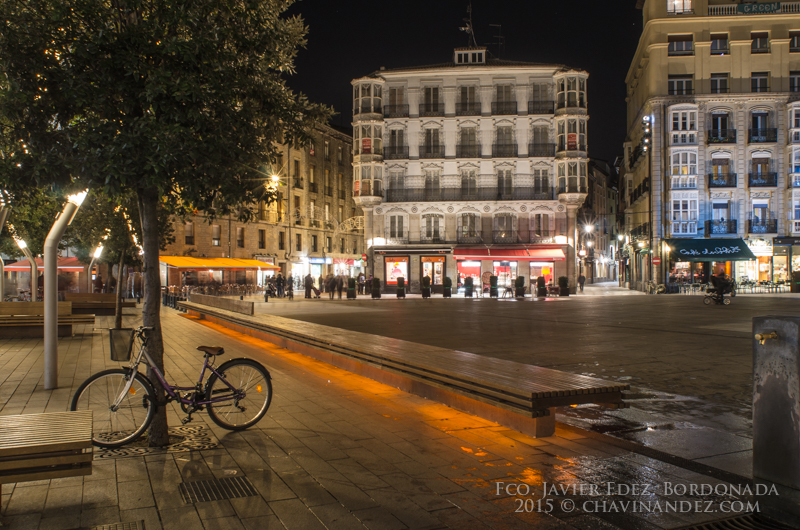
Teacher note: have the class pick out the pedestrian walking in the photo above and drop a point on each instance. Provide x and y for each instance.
(321, 284)
(361, 281)
(340, 285)
(581, 281)
(308, 283)
(280, 282)
(330, 285)
(368, 287)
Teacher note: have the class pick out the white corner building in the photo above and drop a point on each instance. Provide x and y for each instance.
(470, 168)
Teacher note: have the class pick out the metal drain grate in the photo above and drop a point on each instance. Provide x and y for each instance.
(216, 490)
(138, 525)
(741, 522)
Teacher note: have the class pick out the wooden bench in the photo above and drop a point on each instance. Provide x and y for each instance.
(516, 395)
(95, 303)
(26, 319)
(45, 446)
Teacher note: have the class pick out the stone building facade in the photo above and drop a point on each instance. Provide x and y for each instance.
(305, 230)
(470, 168)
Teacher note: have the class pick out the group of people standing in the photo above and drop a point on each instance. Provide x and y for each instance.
(331, 284)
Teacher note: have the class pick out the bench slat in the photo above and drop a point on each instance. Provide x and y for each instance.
(44, 474)
(45, 461)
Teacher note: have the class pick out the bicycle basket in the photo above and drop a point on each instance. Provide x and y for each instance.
(121, 344)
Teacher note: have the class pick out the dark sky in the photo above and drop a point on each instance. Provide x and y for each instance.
(351, 38)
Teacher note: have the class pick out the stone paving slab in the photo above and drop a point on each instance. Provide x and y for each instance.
(335, 450)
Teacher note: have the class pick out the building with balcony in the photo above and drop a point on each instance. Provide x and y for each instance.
(471, 168)
(306, 230)
(597, 224)
(713, 144)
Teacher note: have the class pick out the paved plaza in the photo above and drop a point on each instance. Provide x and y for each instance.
(337, 450)
(689, 365)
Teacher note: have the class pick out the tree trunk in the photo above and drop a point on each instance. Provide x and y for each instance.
(120, 290)
(151, 309)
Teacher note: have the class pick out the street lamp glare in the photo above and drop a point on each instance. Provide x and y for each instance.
(589, 243)
(588, 228)
(77, 198)
(620, 237)
(21, 244)
(275, 178)
(98, 251)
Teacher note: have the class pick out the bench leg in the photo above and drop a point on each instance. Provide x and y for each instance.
(544, 426)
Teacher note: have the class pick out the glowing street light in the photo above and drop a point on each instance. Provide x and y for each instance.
(34, 267)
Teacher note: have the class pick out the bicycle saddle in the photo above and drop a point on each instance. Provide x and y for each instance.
(211, 350)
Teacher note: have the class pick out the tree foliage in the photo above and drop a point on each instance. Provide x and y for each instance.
(178, 101)
(30, 219)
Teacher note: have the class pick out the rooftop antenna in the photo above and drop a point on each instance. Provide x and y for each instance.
(469, 29)
(499, 40)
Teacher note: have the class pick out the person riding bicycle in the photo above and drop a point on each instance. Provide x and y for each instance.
(720, 286)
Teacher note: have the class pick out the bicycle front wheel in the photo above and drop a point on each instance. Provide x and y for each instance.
(115, 425)
(248, 401)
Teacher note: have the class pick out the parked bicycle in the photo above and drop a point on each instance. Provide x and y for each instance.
(236, 394)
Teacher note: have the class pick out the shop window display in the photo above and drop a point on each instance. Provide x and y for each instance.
(396, 268)
(434, 268)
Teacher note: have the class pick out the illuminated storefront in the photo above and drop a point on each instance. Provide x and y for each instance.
(434, 267)
(396, 267)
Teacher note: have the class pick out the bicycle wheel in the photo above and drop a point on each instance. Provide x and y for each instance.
(708, 300)
(245, 407)
(115, 428)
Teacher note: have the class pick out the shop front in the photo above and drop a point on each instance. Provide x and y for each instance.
(761, 268)
(318, 267)
(434, 268)
(507, 264)
(786, 261)
(694, 260)
(395, 267)
(211, 273)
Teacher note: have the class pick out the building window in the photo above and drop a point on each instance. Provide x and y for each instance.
(794, 125)
(505, 102)
(396, 227)
(759, 82)
(340, 156)
(678, 7)
(367, 99)
(719, 83)
(368, 139)
(680, 85)
(327, 244)
(684, 170)
(794, 81)
(188, 229)
(719, 44)
(760, 42)
(469, 226)
(571, 92)
(468, 102)
(313, 243)
(431, 103)
(262, 238)
(431, 228)
(540, 225)
(684, 216)
(341, 246)
(281, 240)
(327, 150)
(505, 184)
(240, 237)
(684, 127)
(794, 41)
(541, 182)
(680, 45)
(432, 185)
(298, 242)
(215, 235)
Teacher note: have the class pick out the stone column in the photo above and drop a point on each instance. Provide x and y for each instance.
(572, 264)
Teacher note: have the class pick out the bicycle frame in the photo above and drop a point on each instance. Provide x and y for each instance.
(172, 391)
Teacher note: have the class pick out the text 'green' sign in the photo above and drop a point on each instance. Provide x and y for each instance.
(757, 9)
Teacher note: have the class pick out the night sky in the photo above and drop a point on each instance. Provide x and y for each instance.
(352, 38)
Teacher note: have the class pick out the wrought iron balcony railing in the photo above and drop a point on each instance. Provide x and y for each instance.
(468, 151)
(721, 227)
(468, 109)
(722, 180)
(504, 108)
(431, 109)
(431, 151)
(541, 107)
(762, 226)
(395, 111)
(760, 136)
(486, 193)
(504, 150)
(395, 152)
(544, 150)
(763, 180)
(722, 136)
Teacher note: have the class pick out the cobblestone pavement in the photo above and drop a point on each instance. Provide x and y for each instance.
(689, 365)
(337, 450)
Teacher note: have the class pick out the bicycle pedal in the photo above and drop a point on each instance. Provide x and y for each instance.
(186, 420)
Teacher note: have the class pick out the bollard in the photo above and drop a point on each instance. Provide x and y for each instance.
(776, 415)
(266, 297)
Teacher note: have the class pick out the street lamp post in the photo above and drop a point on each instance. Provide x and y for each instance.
(51, 288)
(34, 268)
(3, 216)
(98, 251)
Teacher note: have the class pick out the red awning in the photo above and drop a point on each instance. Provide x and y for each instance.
(64, 265)
(509, 254)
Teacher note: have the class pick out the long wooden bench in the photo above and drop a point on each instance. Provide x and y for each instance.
(26, 319)
(95, 303)
(45, 446)
(517, 395)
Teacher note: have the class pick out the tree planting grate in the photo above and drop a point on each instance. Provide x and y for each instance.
(216, 490)
(742, 522)
(138, 525)
(181, 439)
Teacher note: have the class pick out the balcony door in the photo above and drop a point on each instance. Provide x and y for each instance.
(432, 186)
(469, 225)
(431, 224)
(505, 184)
(431, 146)
(432, 99)
(719, 122)
(396, 227)
(759, 121)
(469, 184)
(760, 167)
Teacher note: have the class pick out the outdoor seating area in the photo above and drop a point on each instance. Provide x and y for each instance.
(748, 287)
(26, 319)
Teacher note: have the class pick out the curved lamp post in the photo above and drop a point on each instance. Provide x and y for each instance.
(98, 251)
(34, 268)
(51, 288)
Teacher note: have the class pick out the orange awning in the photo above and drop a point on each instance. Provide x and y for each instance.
(187, 262)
